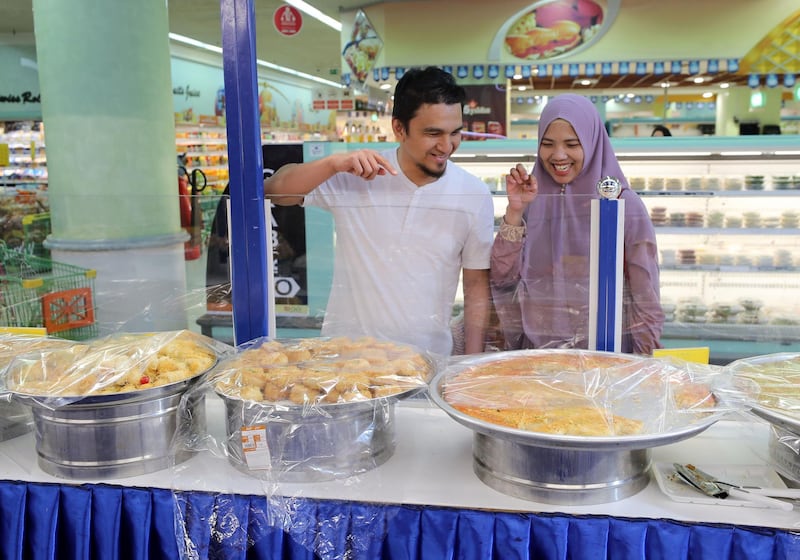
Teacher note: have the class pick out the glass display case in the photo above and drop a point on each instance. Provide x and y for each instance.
(727, 217)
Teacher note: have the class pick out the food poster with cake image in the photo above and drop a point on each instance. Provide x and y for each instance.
(551, 29)
(484, 112)
(363, 48)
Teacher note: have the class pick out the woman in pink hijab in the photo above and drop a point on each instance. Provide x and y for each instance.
(540, 258)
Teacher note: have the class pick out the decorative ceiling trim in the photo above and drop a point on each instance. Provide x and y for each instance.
(778, 52)
(641, 73)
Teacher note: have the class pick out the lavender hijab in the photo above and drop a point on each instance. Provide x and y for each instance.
(552, 288)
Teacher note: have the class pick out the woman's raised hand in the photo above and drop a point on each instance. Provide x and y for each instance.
(522, 189)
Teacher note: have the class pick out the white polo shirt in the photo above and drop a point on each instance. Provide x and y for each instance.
(399, 251)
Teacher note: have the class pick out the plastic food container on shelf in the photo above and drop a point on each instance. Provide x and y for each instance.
(574, 427)
(315, 409)
(108, 408)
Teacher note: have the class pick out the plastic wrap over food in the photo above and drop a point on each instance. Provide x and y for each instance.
(776, 400)
(118, 364)
(16, 418)
(319, 371)
(784, 452)
(13, 345)
(313, 409)
(584, 393)
(777, 377)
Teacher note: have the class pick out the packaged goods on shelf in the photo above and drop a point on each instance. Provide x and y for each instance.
(27, 157)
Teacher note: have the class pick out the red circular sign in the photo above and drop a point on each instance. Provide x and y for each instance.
(287, 20)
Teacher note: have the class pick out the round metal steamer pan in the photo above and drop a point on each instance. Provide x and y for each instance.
(784, 453)
(784, 458)
(15, 420)
(314, 443)
(558, 469)
(115, 435)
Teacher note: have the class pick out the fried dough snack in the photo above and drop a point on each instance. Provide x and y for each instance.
(115, 364)
(322, 371)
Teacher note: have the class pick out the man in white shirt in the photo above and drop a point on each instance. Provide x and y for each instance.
(407, 220)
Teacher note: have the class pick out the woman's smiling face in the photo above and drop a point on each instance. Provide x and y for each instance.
(560, 152)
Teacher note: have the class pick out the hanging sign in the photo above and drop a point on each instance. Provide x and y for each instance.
(363, 48)
(287, 20)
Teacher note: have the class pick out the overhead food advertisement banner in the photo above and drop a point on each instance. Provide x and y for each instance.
(362, 49)
(551, 29)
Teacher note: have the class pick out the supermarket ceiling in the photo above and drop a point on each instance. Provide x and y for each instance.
(316, 50)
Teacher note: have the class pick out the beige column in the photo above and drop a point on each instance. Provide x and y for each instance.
(104, 72)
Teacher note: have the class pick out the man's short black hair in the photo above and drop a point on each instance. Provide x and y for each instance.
(424, 86)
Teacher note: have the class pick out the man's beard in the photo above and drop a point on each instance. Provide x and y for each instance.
(435, 174)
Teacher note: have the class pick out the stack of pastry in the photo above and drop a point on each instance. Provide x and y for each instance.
(322, 371)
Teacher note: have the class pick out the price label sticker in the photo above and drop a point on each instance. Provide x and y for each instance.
(255, 447)
(698, 355)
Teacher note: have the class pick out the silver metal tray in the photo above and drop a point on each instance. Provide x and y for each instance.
(525, 437)
(776, 417)
(773, 415)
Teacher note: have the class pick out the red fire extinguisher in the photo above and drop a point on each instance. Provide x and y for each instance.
(190, 184)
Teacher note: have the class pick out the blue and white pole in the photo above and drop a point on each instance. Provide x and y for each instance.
(252, 290)
(605, 267)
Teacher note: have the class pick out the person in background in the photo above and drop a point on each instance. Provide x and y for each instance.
(660, 130)
(540, 257)
(408, 223)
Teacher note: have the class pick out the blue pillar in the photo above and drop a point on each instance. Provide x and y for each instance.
(249, 246)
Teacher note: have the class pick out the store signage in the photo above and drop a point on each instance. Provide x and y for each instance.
(287, 238)
(24, 97)
(347, 104)
(484, 113)
(287, 20)
(186, 91)
(290, 281)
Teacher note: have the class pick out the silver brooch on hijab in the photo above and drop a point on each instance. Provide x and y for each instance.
(609, 187)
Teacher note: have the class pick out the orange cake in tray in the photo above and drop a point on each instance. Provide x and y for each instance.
(580, 393)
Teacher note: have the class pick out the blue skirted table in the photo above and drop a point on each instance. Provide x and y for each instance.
(423, 503)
